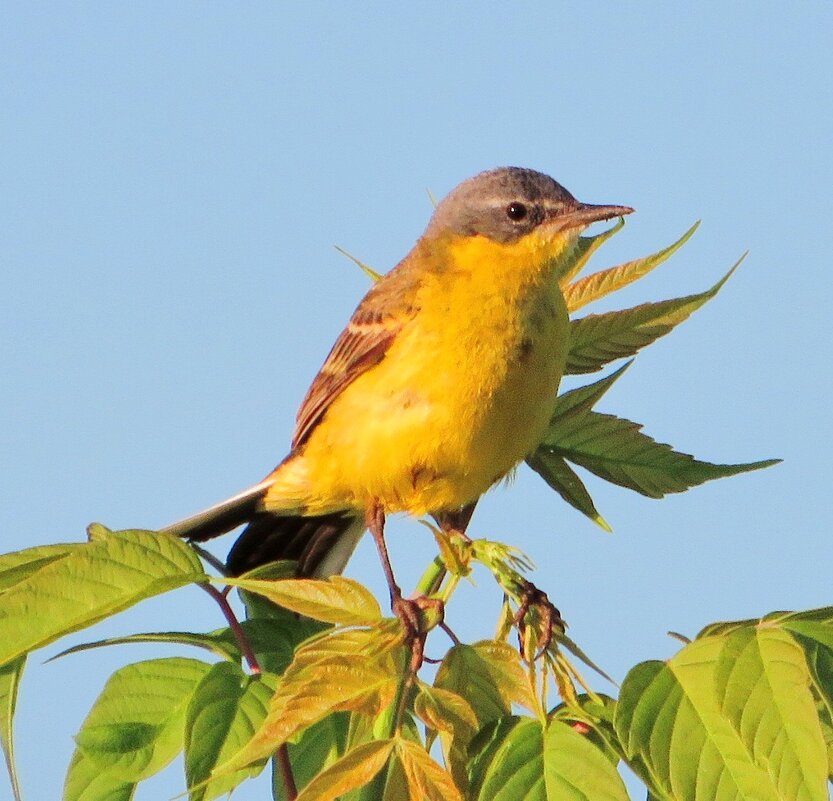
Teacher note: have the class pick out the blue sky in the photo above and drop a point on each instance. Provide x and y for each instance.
(173, 180)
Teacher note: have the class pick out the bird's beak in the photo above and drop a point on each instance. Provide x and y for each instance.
(585, 213)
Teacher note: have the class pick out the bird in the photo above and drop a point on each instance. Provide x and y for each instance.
(444, 379)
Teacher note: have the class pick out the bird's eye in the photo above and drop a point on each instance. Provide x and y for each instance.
(516, 211)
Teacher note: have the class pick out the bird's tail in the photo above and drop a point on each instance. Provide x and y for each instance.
(321, 544)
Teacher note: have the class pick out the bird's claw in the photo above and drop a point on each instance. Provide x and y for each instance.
(418, 615)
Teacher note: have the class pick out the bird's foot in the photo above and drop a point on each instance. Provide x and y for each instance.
(418, 615)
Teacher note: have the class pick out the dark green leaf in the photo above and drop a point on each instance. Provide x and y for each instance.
(563, 479)
(570, 404)
(617, 451)
(598, 339)
(318, 747)
(518, 760)
(225, 710)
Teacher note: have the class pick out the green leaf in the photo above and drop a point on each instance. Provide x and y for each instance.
(575, 261)
(616, 450)
(820, 660)
(333, 600)
(815, 625)
(485, 747)
(575, 768)
(10, 675)
(603, 283)
(225, 710)
(488, 675)
(220, 643)
(570, 405)
(355, 769)
(763, 685)
(136, 725)
(598, 339)
(19, 565)
(90, 583)
(726, 718)
(85, 781)
(563, 479)
(552, 467)
(366, 269)
(272, 641)
(519, 760)
(592, 717)
(315, 749)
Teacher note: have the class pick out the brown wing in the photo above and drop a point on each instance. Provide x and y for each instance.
(363, 344)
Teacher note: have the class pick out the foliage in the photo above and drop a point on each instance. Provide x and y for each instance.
(321, 686)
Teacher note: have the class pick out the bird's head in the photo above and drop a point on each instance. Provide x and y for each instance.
(520, 209)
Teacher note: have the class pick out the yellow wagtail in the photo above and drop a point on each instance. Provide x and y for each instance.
(444, 379)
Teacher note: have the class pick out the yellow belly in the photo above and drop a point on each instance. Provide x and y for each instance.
(464, 393)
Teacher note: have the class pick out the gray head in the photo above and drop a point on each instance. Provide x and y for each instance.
(508, 203)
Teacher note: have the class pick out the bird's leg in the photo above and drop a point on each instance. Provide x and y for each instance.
(457, 521)
(532, 598)
(408, 610)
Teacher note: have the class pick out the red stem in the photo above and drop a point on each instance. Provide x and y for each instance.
(286, 772)
(234, 625)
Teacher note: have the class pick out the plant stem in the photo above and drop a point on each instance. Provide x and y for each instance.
(285, 766)
(431, 579)
(234, 625)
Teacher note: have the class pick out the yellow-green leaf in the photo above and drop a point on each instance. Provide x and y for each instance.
(763, 689)
(355, 769)
(369, 642)
(19, 565)
(598, 339)
(452, 717)
(574, 262)
(726, 718)
(445, 711)
(85, 781)
(596, 286)
(89, 583)
(489, 675)
(309, 693)
(136, 725)
(426, 779)
(333, 600)
(9, 682)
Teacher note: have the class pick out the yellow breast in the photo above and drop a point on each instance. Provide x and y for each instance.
(464, 393)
